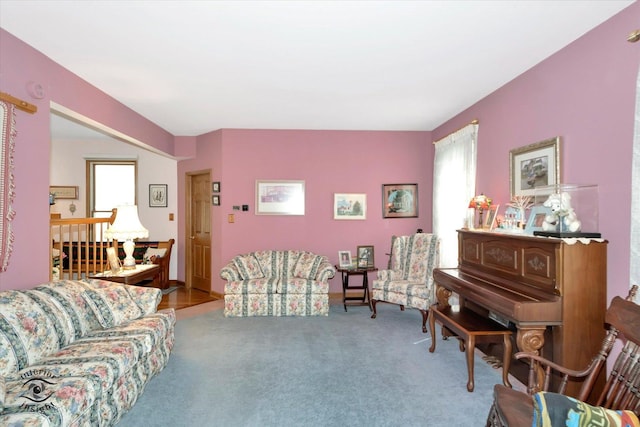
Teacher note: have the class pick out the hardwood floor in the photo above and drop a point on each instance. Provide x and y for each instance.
(183, 298)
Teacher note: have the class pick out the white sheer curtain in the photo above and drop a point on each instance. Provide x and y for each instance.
(635, 194)
(454, 184)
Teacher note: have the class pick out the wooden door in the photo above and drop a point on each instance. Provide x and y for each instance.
(199, 230)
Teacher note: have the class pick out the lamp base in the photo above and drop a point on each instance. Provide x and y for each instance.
(129, 262)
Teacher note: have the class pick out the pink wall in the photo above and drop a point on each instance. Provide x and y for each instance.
(584, 93)
(19, 65)
(329, 162)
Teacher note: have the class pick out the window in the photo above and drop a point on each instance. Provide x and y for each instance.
(454, 183)
(111, 183)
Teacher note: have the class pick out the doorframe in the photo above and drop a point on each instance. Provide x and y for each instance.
(187, 223)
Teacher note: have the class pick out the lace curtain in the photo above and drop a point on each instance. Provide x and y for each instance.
(7, 134)
(454, 183)
(635, 194)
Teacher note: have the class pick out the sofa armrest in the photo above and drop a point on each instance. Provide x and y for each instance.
(146, 298)
(230, 273)
(326, 271)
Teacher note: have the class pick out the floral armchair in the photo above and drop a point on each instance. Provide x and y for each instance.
(408, 282)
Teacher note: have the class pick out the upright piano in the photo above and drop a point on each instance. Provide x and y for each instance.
(551, 291)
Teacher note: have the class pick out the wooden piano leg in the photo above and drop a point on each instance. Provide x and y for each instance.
(531, 340)
(506, 359)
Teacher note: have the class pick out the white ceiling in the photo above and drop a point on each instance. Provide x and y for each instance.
(196, 66)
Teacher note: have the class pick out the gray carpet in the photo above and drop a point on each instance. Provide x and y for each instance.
(344, 369)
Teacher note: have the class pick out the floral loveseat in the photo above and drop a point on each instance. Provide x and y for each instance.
(79, 353)
(277, 283)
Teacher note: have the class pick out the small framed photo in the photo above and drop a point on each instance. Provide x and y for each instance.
(534, 165)
(399, 200)
(536, 218)
(215, 200)
(345, 259)
(349, 206)
(365, 257)
(158, 195)
(490, 220)
(215, 186)
(114, 262)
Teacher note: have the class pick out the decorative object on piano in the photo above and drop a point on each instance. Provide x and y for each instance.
(521, 204)
(492, 213)
(536, 219)
(127, 227)
(572, 211)
(533, 166)
(365, 257)
(399, 200)
(562, 216)
(479, 203)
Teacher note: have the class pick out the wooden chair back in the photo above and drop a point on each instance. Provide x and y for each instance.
(622, 385)
(162, 280)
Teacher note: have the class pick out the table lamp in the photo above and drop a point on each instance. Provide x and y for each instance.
(480, 203)
(127, 227)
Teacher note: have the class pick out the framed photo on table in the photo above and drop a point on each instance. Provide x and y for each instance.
(536, 218)
(490, 220)
(365, 257)
(114, 262)
(345, 259)
(534, 165)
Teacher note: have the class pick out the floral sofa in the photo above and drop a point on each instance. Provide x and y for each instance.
(79, 353)
(277, 283)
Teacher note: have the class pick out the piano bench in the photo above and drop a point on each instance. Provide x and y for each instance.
(471, 328)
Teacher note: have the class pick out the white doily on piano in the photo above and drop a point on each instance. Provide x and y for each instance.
(583, 240)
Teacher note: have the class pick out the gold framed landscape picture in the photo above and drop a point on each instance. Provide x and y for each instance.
(399, 200)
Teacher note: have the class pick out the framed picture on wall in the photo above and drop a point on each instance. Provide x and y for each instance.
(534, 165)
(64, 191)
(399, 200)
(158, 195)
(279, 197)
(349, 206)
